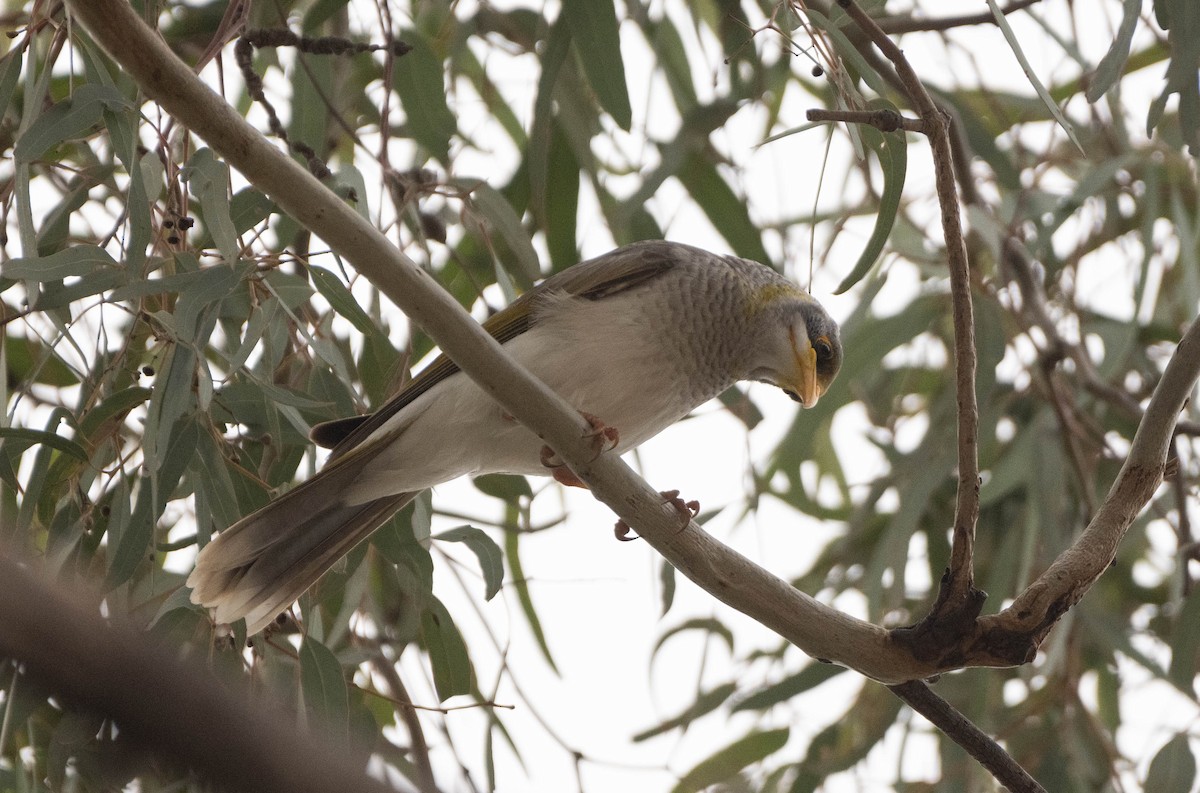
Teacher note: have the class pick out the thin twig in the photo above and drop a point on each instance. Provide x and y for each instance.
(406, 711)
(958, 590)
(921, 698)
(910, 24)
(884, 120)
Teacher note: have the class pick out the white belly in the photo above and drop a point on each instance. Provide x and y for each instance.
(612, 371)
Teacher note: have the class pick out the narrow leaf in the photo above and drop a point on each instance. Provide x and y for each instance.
(704, 624)
(732, 759)
(419, 82)
(324, 684)
(521, 585)
(343, 302)
(503, 219)
(1113, 62)
(892, 150)
(68, 119)
(594, 30)
(723, 207)
(208, 180)
(705, 703)
(25, 438)
(491, 561)
(1173, 769)
(447, 651)
(77, 260)
(1051, 105)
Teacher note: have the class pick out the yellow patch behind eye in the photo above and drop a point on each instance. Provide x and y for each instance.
(766, 295)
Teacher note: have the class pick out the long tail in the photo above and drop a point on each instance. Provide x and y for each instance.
(260, 565)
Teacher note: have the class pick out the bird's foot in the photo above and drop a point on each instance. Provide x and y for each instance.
(687, 510)
(603, 437)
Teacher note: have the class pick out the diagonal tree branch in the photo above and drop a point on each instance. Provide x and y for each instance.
(1014, 634)
(819, 630)
(175, 708)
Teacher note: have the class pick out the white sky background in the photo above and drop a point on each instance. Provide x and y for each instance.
(599, 599)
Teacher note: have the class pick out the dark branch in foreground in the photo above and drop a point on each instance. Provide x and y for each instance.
(175, 709)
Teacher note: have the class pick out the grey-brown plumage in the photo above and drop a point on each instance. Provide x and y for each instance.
(638, 338)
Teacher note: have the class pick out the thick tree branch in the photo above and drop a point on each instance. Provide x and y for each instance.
(817, 629)
(176, 709)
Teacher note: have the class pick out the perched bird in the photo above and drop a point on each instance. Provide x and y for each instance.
(634, 339)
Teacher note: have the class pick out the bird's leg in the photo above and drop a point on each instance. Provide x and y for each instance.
(687, 510)
(604, 438)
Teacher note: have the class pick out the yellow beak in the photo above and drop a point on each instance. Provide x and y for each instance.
(806, 385)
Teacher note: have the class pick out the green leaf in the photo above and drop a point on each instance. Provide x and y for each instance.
(29, 359)
(77, 260)
(17, 437)
(705, 703)
(452, 673)
(491, 561)
(892, 150)
(809, 677)
(208, 180)
(419, 82)
(1113, 63)
(537, 152)
(521, 585)
(68, 119)
(848, 740)
(343, 302)
(1173, 769)
(733, 758)
(508, 487)
(1185, 646)
(705, 624)
(561, 213)
(1182, 70)
(324, 684)
(723, 207)
(1048, 100)
(503, 219)
(594, 29)
(666, 579)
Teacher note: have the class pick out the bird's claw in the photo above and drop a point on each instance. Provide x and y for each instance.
(604, 438)
(687, 510)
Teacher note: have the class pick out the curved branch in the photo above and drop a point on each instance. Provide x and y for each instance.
(1013, 635)
(958, 598)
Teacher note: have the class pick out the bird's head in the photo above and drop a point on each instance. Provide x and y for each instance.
(800, 349)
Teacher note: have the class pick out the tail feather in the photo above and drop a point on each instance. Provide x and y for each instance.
(257, 567)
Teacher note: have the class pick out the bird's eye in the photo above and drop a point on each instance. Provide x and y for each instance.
(824, 348)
